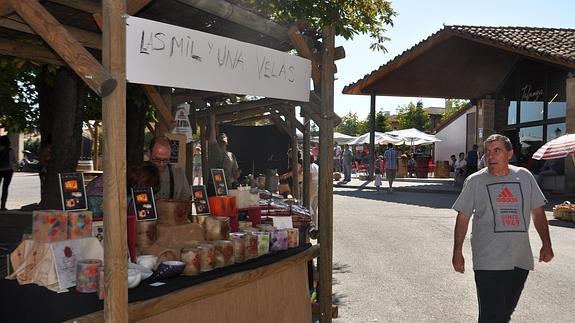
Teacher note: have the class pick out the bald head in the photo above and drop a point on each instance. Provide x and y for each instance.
(160, 152)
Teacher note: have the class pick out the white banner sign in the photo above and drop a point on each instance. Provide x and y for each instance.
(167, 55)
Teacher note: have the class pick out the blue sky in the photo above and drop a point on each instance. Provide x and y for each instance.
(419, 19)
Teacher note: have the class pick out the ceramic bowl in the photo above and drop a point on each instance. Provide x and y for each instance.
(134, 278)
(148, 261)
(168, 269)
(144, 272)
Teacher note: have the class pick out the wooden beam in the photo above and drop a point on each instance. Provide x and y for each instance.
(339, 54)
(58, 37)
(250, 119)
(32, 52)
(82, 5)
(237, 107)
(5, 8)
(242, 114)
(156, 99)
(303, 50)
(240, 16)
(325, 261)
(133, 7)
(114, 124)
(288, 112)
(86, 38)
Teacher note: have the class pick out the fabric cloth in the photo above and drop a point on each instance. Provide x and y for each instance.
(377, 180)
(390, 156)
(500, 207)
(498, 292)
(182, 190)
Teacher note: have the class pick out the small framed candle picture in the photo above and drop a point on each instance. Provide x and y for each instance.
(143, 202)
(72, 191)
(220, 185)
(200, 199)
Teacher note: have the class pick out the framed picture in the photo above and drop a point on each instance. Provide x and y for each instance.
(200, 199)
(178, 145)
(72, 191)
(220, 185)
(144, 205)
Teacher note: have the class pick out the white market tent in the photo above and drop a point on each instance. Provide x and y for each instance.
(413, 137)
(380, 138)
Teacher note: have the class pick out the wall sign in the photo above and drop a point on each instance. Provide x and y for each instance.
(168, 55)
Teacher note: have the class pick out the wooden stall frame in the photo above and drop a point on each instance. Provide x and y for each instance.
(108, 79)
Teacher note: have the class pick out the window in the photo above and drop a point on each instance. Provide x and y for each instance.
(555, 130)
(512, 113)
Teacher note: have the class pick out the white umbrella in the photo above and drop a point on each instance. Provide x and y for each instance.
(414, 137)
(341, 138)
(380, 138)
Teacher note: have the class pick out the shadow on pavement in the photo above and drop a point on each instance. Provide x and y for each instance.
(434, 200)
(561, 223)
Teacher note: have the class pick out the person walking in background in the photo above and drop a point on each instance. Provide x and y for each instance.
(336, 157)
(313, 188)
(377, 179)
(500, 198)
(390, 156)
(472, 160)
(460, 169)
(411, 165)
(8, 164)
(347, 160)
(197, 168)
(314, 151)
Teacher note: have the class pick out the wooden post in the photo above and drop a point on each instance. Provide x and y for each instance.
(114, 121)
(96, 146)
(306, 159)
(325, 175)
(296, 191)
(371, 137)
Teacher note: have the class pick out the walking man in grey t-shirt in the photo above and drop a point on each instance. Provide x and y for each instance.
(500, 198)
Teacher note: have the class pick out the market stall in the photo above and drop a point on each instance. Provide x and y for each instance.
(284, 269)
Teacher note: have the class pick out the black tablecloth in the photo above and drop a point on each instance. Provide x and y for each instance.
(32, 303)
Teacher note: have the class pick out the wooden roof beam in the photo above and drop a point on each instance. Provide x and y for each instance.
(133, 6)
(5, 8)
(71, 51)
(86, 38)
(304, 51)
(288, 113)
(82, 5)
(242, 114)
(32, 52)
(156, 98)
(249, 119)
(237, 107)
(240, 16)
(281, 124)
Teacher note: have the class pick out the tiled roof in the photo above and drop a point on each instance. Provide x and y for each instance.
(555, 44)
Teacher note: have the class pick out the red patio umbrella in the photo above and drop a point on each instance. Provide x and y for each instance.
(557, 148)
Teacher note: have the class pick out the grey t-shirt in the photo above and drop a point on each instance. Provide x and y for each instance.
(501, 210)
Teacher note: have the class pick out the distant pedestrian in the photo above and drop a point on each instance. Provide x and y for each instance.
(8, 164)
(390, 156)
(347, 160)
(460, 169)
(377, 180)
(411, 165)
(336, 157)
(472, 160)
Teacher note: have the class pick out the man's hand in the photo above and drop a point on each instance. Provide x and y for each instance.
(546, 254)
(458, 262)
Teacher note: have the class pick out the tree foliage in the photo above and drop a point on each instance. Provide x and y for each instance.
(348, 17)
(452, 106)
(382, 123)
(414, 116)
(349, 124)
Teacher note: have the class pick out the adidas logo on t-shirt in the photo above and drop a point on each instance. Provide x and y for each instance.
(506, 196)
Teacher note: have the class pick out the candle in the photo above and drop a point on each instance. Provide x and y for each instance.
(87, 275)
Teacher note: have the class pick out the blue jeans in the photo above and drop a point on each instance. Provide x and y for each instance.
(347, 172)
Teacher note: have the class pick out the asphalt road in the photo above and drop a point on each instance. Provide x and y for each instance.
(392, 263)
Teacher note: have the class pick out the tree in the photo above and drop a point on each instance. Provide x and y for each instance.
(414, 116)
(382, 123)
(349, 124)
(348, 17)
(452, 106)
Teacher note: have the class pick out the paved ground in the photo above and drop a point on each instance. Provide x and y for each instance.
(392, 263)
